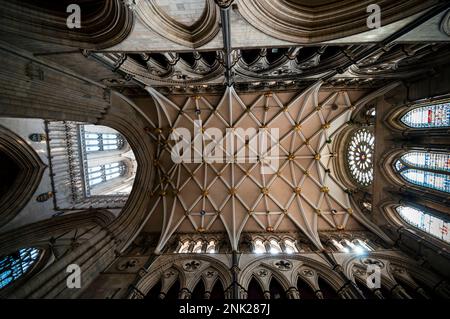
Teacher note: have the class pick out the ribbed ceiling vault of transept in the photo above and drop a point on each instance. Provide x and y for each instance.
(236, 196)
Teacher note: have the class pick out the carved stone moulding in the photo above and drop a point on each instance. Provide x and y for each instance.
(171, 26)
(104, 23)
(303, 21)
(445, 24)
(29, 169)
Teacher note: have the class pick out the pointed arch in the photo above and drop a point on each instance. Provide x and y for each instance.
(199, 291)
(217, 292)
(276, 289)
(174, 290)
(155, 292)
(305, 290)
(327, 290)
(30, 169)
(254, 289)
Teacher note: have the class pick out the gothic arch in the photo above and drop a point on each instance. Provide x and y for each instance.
(65, 240)
(299, 21)
(388, 263)
(45, 258)
(39, 232)
(199, 33)
(319, 269)
(209, 282)
(108, 23)
(393, 117)
(387, 164)
(264, 277)
(389, 211)
(31, 170)
(164, 263)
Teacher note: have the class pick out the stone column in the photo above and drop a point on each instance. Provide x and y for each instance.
(292, 293)
(184, 294)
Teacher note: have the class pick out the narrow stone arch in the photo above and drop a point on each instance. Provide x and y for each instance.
(387, 163)
(164, 263)
(31, 169)
(248, 272)
(320, 269)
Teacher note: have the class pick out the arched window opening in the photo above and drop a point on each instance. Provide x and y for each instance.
(290, 246)
(356, 246)
(339, 246)
(367, 206)
(348, 246)
(93, 165)
(359, 154)
(154, 293)
(217, 293)
(427, 179)
(184, 249)
(108, 165)
(8, 174)
(276, 290)
(274, 247)
(327, 291)
(211, 248)
(199, 291)
(305, 290)
(362, 245)
(371, 112)
(409, 289)
(426, 169)
(103, 173)
(198, 247)
(97, 141)
(367, 293)
(259, 247)
(15, 265)
(254, 290)
(430, 116)
(428, 160)
(428, 223)
(173, 292)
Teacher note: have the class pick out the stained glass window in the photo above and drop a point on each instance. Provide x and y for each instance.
(103, 173)
(427, 169)
(184, 249)
(198, 247)
(360, 152)
(430, 116)
(259, 247)
(433, 180)
(290, 247)
(211, 248)
(95, 142)
(435, 161)
(16, 265)
(274, 247)
(424, 221)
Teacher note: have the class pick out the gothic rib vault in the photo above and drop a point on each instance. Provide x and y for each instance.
(304, 193)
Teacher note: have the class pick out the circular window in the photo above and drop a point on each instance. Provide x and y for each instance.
(360, 152)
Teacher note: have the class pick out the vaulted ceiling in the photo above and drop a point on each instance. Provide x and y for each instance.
(301, 194)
